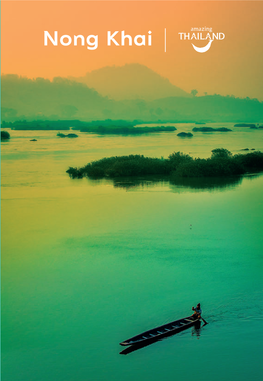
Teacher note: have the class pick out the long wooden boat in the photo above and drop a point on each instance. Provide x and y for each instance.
(162, 331)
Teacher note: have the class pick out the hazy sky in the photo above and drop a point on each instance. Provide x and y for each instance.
(230, 66)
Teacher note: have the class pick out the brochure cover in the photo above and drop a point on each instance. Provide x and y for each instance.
(132, 159)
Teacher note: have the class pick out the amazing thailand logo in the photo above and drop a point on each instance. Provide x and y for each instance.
(201, 34)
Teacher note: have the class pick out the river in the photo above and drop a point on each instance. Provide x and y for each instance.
(87, 264)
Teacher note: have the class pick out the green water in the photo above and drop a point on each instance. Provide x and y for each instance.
(86, 265)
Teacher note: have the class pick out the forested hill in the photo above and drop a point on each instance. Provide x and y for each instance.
(131, 81)
(24, 98)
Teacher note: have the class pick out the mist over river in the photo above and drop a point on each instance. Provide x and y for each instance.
(87, 264)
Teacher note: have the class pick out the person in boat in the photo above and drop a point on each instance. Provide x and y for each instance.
(197, 311)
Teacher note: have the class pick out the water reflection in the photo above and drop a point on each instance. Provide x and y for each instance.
(197, 184)
(196, 330)
(209, 183)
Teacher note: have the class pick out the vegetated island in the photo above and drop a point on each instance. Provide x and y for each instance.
(5, 135)
(211, 129)
(185, 134)
(178, 165)
(120, 127)
(64, 125)
(44, 125)
(125, 130)
(59, 134)
(251, 125)
(101, 127)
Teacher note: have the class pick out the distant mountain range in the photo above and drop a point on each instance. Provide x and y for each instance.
(65, 99)
(131, 81)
